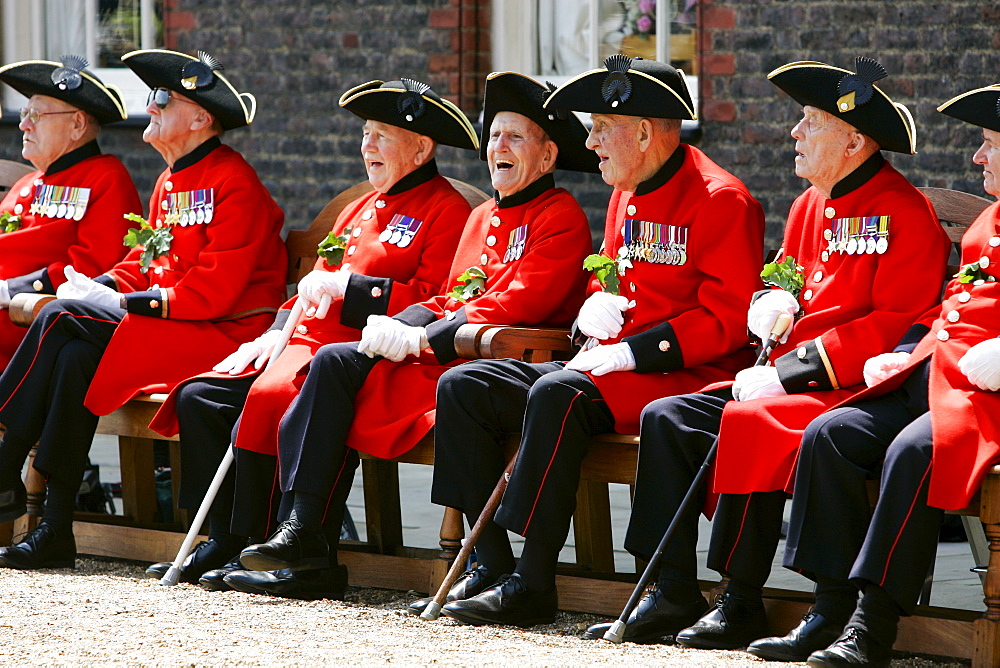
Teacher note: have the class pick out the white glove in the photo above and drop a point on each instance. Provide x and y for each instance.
(4, 294)
(257, 351)
(317, 283)
(981, 365)
(757, 382)
(391, 339)
(601, 315)
(78, 286)
(764, 313)
(600, 360)
(882, 366)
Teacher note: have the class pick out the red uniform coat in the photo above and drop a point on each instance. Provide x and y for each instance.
(688, 325)
(532, 251)
(965, 421)
(99, 192)
(219, 285)
(386, 278)
(853, 306)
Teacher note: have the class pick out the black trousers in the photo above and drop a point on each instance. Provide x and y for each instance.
(833, 532)
(557, 411)
(43, 387)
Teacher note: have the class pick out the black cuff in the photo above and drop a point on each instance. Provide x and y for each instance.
(150, 302)
(911, 338)
(364, 296)
(280, 318)
(441, 335)
(656, 349)
(37, 282)
(106, 280)
(803, 370)
(416, 316)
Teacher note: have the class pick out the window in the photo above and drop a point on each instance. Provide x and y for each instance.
(100, 30)
(552, 40)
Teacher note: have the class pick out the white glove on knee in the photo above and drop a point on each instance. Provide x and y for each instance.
(757, 382)
(4, 295)
(257, 351)
(600, 360)
(882, 366)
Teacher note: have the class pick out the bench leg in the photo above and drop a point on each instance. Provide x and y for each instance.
(592, 527)
(135, 456)
(180, 515)
(986, 629)
(382, 513)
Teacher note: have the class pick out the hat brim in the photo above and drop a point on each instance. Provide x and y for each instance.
(160, 68)
(815, 84)
(650, 97)
(980, 107)
(34, 77)
(441, 120)
(509, 91)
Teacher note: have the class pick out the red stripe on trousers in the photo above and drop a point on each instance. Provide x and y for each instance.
(562, 428)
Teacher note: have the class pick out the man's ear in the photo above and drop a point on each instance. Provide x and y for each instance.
(80, 124)
(425, 149)
(644, 133)
(202, 120)
(856, 143)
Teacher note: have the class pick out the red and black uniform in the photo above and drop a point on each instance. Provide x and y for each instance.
(71, 214)
(853, 305)
(694, 236)
(937, 433)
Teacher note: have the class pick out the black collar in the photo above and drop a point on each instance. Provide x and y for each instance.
(525, 195)
(194, 156)
(417, 177)
(664, 174)
(77, 155)
(859, 177)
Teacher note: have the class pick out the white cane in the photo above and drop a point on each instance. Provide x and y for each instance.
(173, 574)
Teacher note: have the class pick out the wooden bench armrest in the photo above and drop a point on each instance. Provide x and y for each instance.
(501, 341)
(24, 307)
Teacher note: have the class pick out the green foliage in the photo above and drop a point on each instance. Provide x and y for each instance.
(331, 249)
(972, 272)
(154, 242)
(9, 222)
(606, 271)
(470, 284)
(785, 275)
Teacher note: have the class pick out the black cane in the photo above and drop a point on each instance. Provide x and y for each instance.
(616, 633)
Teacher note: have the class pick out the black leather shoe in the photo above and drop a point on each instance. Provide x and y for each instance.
(813, 633)
(855, 647)
(40, 548)
(292, 546)
(13, 503)
(214, 580)
(205, 556)
(468, 584)
(653, 618)
(507, 602)
(733, 622)
(309, 585)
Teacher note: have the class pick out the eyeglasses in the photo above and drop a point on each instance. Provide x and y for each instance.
(162, 96)
(34, 115)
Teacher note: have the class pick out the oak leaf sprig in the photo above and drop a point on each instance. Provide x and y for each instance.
(607, 271)
(785, 275)
(471, 284)
(9, 222)
(972, 272)
(332, 247)
(155, 242)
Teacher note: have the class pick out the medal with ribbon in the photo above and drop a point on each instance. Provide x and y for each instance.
(400, 230)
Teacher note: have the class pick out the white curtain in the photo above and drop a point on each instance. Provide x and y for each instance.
(65, 28)
(564, 35)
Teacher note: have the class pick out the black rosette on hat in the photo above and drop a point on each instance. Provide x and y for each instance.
(69, 81)
(413, 106)
(509, 91)
(980, 107)
(852, 97)
(199, 79)
(629, 87)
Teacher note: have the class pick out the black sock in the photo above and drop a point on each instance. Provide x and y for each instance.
(13, 453)
(879, 614)
(835, 599)
(743, 590)
(493, 550)
(308, 510)
(60, 503)
(679, 590)
(537, 566)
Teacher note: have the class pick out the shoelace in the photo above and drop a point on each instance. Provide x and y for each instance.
(33, 535)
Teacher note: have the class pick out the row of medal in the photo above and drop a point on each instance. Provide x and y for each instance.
(60, 201)
(400, 230)
(657, 243)
(515, 244)
(194, 207)
(862, 235)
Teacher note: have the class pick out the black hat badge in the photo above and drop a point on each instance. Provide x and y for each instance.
(198, 73)
(560, 114)
(858, 88)
(68, 76)
(617, 87)
(411, 104)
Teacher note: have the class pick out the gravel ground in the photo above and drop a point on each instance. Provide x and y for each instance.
(106, 613)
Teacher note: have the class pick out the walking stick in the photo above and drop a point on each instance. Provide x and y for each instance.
(173, 574)
(616, 633)
(433, 609)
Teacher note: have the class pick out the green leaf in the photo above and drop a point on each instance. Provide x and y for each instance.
(331, 249)
(972, 272)
(785, 275)
(471, 284)
(606, 270)
(154, 242)
(9, 222)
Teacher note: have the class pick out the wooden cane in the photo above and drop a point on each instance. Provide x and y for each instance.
(173, 574)
(616, 633)
(433, 609)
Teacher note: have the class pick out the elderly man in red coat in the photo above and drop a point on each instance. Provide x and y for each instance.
(930, 424)
(209, 275)
(396, 247)
(71, 209)
(675, 325)
(519, 262)
(872, 259)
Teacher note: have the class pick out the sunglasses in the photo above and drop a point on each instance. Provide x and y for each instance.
(162, 96)
(34, 115)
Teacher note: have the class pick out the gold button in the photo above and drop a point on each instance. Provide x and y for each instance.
(953, 316)
(631, 286)
(163, 205)
(964, 297)
(168, 186)
(39, 182)
(302, 329)
(483, 259)
(376, 292)
(491, 240)
(158, 271)
(37, 286)
(357, 231)
(367, 215)
(807, 295)
(801, 352)
(630, 209)
(380, 204)
(825, 256)
(943, 335)
(495, 221)
(154, 304)
(345, 266)
(664, 346)
(18, 208)
(449, 315)
(830, 212)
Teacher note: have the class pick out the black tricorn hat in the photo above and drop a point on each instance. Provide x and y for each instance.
(199, 79)
(980, 107)
(411, 105)
(509, 91)
(630, 87)
(69, 81)
(852, 97)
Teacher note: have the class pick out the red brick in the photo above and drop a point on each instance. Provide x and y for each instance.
(443, 18)
(718, 111)
(350, 40)
(443, 62)
(704, 40)
(717, 18)
(718, 64)
(179, 20)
